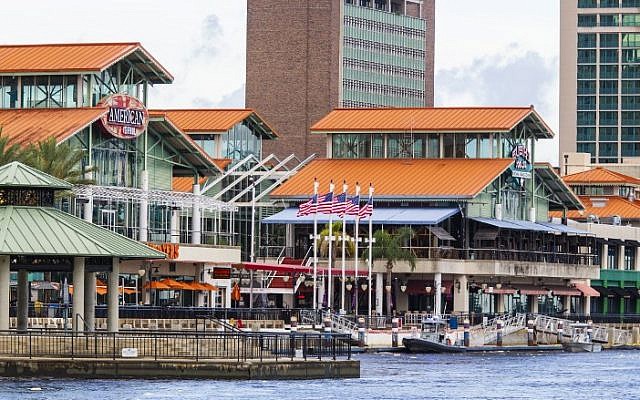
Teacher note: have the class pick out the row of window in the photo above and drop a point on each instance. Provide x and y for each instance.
(609, 151)
(608, 3)
(361, 86)
(609, 40)
(609, 56)
(608, 118)
(376, 26)
(629, 71)
(377, 4)
(386, 69)
(609, 87)
(379, 47)
(608, 20)
(588, 103)
(607, 134)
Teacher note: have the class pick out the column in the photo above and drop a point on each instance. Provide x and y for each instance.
(437, 284)
(4, 293)
(500, 305)
(604, 259)
(621, 257)
(320, 295)
(113, 322)
(89, 300)
(22, 305)
(78, 294)
(461, 295)
(175, 225)
(88, 209)
(566, 303)
(379, 292)
(637, 260)
(586, 306)
(533, 299)
(143, 220)
(195, 219)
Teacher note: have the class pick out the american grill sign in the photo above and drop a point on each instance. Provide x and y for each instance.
(126, 116)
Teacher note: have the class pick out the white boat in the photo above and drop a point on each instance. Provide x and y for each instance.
(434, 338)
(581, 341)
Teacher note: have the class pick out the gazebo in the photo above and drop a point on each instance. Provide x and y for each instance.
(35, 236)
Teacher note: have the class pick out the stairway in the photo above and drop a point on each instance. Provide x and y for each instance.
(486, 333)
(547, 324)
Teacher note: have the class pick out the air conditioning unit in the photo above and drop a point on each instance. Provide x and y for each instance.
(617, 220)
(592, 218)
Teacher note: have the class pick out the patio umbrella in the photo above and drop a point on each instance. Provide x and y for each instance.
(173, 284)
(235, 293)
(156, 285)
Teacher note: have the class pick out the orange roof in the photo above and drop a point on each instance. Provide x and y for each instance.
(185, 184)
(603, 207)
(398, 178)
(469, 119)
(602, 176)
(76, 57)
(36, 124)
(210, 120)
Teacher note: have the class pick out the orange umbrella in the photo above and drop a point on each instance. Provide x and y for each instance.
(156, 285)
(173, 284)
(235, 293)
(209, 287)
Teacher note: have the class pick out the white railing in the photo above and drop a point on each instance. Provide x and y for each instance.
(600, 334)
(487, 333)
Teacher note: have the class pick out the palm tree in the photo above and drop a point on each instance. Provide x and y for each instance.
(391, 248)
(8, 153)
(60, 160)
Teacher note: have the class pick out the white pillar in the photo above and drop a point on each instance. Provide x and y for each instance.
(437, 284)
(500, 305)
(195, 219)
(320, 296)
(637, 260)
(621, 257)
(587, 305)
(4, 293)
(604, 259)
(78, 294)
(461, 295)
(534, 303)
(143, 221)
(532, 214)
(175, 226)
(113, 321)
(88, 209)
(90, 300)
(566, 303)
(379, 292)
(498, 211)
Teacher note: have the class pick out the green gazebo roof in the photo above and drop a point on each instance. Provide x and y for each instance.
(16, 174)
(48, 231)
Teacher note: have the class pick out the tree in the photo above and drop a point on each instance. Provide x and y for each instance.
(60, 160)
(391, 248)
(8, 153)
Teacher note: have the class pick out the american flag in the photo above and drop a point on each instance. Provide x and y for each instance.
(353, 206)
(325, 206)
(367, 209)
(308, 207)
(340, 204)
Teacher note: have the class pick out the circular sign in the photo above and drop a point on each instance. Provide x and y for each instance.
(126, 116)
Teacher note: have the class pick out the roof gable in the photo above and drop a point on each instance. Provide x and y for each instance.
(399, 178)
(214, 120)
(600, 175)
(16, 174)
(604, 207)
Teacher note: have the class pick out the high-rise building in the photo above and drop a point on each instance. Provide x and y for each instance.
(305, 58)
(600, 79)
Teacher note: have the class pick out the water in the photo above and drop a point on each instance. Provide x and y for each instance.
(606, 375)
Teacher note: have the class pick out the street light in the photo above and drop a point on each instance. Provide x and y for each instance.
(253, 233)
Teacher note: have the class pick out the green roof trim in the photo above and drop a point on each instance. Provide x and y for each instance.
(48, 231)
(16, 174)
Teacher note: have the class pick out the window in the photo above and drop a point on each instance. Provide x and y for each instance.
(609, 3)
(587, 40)
(587, 20)
(608, 134)
(586, 118)
(587, 3)
(630, 134)
(586, 71)
(630, 149)
(630, 3)
(608, 149)
(351, 145)
(608, 72)
(609, 56)
(631, 20)
(608, 40)
(631, 117)
(400, 146)
(631, 56)
(631, 71)
(608, 102)
(586, 56)
(630, 87)
(584, 134)
(630, 40)
(8, 92)
(586, 102)
(608, 118)
(586, 87)
(609, 87)
(609, 20)
(631, 102)
(586, 148)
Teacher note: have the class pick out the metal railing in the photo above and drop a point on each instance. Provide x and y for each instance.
(175, 345)
(501, 255)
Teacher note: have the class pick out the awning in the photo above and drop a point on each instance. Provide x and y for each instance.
(388, 216)
(532, 290)
(504, 290)
(440, 233)
(293, 268)
(176, 285)
(564, 291)
(497, 223)
(531, 226)
(587, 290)
(620, 292)
(156, 285)
(566, 229)
(604, 291)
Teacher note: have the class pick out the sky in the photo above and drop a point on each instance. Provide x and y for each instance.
(488, 53)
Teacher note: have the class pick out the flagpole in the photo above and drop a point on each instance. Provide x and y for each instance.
(370, 247)
(315, 245)
(355, 258)
(330, 288)
(344, 235)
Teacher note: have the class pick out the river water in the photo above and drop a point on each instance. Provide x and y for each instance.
(553, 375)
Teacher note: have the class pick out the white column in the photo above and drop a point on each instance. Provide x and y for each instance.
(88, 209)
(195, 219)
(532, 214)
(534, 303)
(4, 293)
(587, 305)
(621, 257)
(143, 221)
(460, 295)
(113, 318)
(175, 226)
(498, 211)
(78, 294)
(637, 260)
(90, 300)
(566, 304)
(437, 284)
(379, 292)
(604, 259)
(320, 295)
(500, 305)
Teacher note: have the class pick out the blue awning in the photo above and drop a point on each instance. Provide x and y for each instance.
(387, 216)
(566, 229)
(498, 223)
(530, 226)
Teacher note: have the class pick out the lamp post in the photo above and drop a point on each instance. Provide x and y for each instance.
(253, 232)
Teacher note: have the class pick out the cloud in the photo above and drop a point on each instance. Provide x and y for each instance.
(211, 32)
(506, 79)
(234, 99)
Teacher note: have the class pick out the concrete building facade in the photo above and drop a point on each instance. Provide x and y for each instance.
(306, 58)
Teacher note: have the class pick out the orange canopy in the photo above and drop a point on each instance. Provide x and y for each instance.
(101, 290)
(173, 284)
(209, 287)
(156, 285)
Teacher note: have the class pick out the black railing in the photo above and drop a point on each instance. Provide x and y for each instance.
(502, 255)
(599, 318)
(158, 345)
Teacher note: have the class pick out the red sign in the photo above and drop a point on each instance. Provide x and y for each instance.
(126, 116)
(221, 273)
